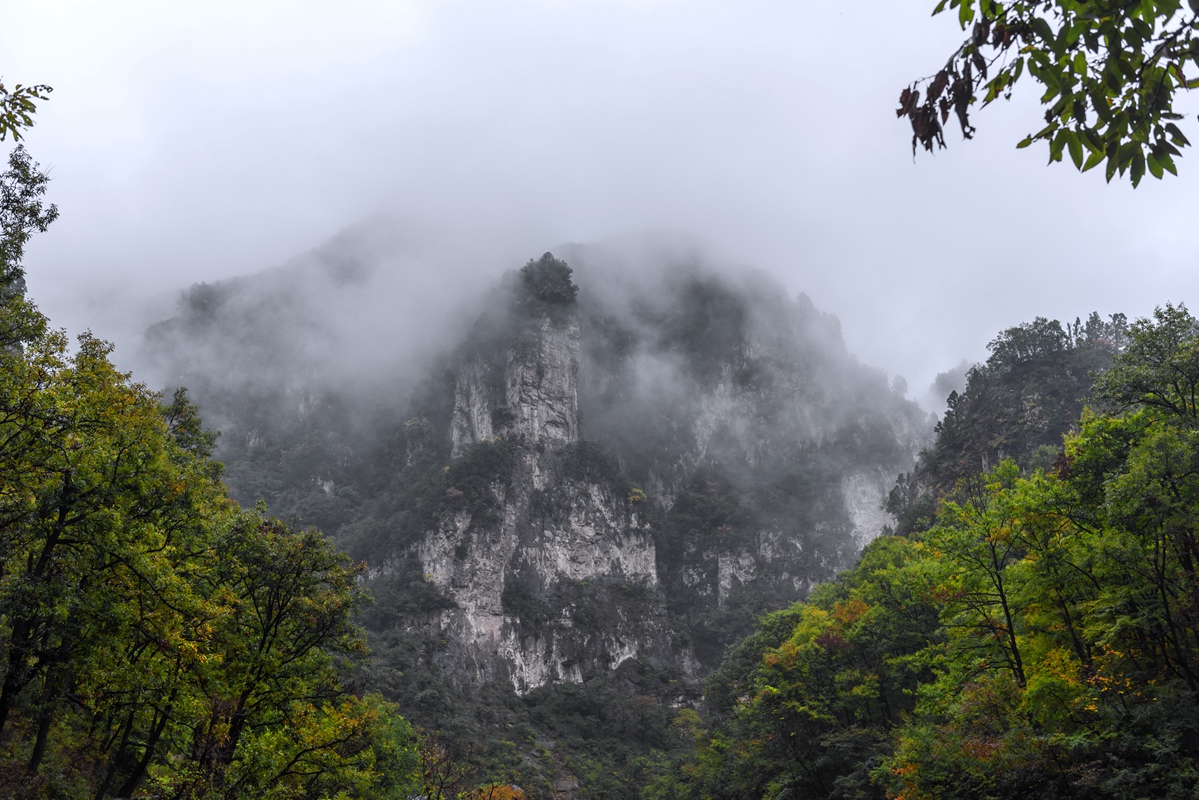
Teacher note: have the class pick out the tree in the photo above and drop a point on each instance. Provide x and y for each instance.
(21, 213)
(1110, 71)
(153, 634)
(548, 280)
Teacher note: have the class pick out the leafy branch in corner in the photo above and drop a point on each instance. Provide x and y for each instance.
(1110, 70)
(17, 108)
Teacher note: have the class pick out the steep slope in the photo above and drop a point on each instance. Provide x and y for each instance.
(528, 539)
(765, 446)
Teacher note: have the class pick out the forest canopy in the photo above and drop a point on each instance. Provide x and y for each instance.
(155, 638)
(1038, 640)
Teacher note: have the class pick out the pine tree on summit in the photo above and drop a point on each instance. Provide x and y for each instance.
(548, 279)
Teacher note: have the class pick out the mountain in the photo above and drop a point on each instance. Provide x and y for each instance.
(613, 475)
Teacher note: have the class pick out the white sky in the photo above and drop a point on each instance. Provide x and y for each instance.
(192, 141)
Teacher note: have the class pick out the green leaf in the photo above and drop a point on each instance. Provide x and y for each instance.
(1128, 151)
(1093, 161)
(1138, 168)
(1176, 132)
(1057, 145)
(1155, 167)
(1025, 142)
(1044, 132)
(1075, 144)
(1041, 28)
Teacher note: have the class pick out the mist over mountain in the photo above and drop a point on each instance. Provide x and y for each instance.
(729, 426)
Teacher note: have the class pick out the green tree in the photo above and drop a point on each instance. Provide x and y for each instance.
(151, 632)
(1109, 70)
(22, 187)
(805, 706)
(1041, 639)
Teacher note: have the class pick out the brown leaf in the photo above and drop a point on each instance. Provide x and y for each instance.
(961, 93)
(982, 30)
(938, 85)
(979, 62)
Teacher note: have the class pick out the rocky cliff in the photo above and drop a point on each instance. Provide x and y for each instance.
(637, 476)
(551, 574)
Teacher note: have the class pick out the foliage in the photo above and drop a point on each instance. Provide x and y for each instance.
(1017, 405)
(548, 280)
(1160, 368)
(154, 636)
(805, 706)
(17, 108)
(1110, 72)
(1039, 640)
(22, 186)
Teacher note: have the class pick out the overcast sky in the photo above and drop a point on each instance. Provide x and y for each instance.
(194, 141)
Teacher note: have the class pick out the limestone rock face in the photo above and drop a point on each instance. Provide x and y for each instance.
(543, 382)
(555, 576)
(766, 448)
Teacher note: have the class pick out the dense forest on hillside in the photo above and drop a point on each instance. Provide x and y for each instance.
(1038, 639)
(156, 640)
(1016, 405)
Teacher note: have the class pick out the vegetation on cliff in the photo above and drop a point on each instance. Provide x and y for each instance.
(1017, 405)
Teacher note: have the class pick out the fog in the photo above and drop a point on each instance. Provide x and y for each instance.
(198, 143)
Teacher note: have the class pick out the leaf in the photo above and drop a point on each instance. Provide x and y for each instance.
(965, 14)
(1176, 132)
(1127, 152)
(1025, 142)
(1093, 161)
(1137, 167)
(1056, 145)
(1155, 167)
(1041, 28)
(937, 86)
(1044, 132)
(1075, 144)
